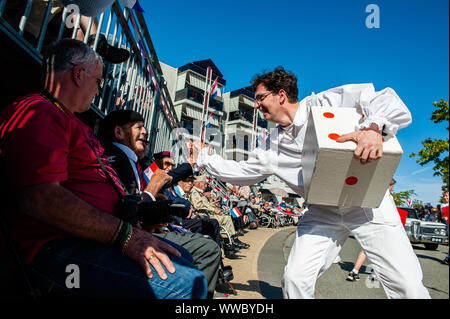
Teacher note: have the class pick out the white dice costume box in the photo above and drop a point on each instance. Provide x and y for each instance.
(331, 174)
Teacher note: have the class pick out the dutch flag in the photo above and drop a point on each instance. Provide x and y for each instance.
(208, 123)
(214, 89)
(235, 213)
(262, 137)
(149, 171)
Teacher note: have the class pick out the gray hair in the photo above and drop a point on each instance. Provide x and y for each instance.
(60, 55)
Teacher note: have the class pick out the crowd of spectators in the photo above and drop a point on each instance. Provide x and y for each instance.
(102, 200)
(431, 214)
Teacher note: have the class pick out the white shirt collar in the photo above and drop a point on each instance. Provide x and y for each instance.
(300, 117)
(180, 190)
(128, 151)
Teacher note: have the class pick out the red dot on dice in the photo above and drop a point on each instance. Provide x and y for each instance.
(328, 115)
(333, 136)
(352, 180)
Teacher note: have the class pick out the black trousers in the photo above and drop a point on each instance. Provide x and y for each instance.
(239, 223)
(205, 226)
(206, 253)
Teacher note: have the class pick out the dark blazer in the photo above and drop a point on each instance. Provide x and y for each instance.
(121, 164)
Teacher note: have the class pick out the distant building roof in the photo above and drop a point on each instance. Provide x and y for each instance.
(247, 91)
(200, 67)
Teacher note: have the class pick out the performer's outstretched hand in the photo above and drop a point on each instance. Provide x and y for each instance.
(194, 149)
(369, 143)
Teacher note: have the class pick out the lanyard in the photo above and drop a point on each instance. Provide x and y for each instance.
(52, 99)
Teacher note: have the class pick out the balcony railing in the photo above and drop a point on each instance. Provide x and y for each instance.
(240, 115)
(135, 84)
(196, 96)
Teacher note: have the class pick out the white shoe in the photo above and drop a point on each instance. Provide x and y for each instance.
(337, 259)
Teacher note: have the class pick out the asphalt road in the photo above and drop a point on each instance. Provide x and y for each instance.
(333, 283)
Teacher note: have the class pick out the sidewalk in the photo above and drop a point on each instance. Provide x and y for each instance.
(245, 269)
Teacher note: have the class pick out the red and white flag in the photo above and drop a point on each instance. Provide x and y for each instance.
(409, 202)
(235, 213)
(149, 171)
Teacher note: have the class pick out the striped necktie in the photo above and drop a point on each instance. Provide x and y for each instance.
(141, 176)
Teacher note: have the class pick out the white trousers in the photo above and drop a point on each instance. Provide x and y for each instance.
(321, 233)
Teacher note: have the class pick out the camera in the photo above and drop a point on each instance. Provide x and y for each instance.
(132, 209)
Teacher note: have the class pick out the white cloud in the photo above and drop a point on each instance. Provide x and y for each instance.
(428, 189)
(418, 171)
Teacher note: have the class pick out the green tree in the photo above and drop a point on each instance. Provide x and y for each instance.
(400, 197)
(436, 150)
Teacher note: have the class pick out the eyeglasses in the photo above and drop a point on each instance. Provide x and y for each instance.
(169, 164)
(261, 96)
(99, 80)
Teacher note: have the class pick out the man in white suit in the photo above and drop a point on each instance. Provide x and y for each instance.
(323, 230)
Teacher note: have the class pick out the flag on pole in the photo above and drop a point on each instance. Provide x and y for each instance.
(409, 202)
(235, 213)
(262, 137)
(208, 179)
(217, 189)
(149, 171)
(214, 89)
(226, 197)
(208, 123)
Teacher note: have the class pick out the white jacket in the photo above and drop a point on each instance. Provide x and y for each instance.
(281, 154)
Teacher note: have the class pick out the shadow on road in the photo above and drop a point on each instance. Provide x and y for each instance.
(270, 292)
(267, 290)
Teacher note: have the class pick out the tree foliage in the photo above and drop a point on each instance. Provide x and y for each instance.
(400, 197)
(436, 150)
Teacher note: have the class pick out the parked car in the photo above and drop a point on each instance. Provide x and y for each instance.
(431, 234)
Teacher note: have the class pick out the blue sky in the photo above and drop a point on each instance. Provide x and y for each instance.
(326, 44)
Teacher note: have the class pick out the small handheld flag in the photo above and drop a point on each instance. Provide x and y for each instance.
(149, 171)
(235, 213)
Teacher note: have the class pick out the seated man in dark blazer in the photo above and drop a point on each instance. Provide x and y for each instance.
(124, 138)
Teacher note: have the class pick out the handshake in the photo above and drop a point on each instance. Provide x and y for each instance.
(133, 210)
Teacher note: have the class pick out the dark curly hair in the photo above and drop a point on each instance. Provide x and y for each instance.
(276, 80)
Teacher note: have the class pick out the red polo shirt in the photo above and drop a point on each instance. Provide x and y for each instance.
(39, 143)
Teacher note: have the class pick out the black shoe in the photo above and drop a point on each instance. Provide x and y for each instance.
(230, 254)
(352, 276)
(238, 246)
(108, 52)
(240, 243)
(226, 274)
(231, 247)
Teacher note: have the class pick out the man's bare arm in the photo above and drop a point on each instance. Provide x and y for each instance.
(53, 204)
